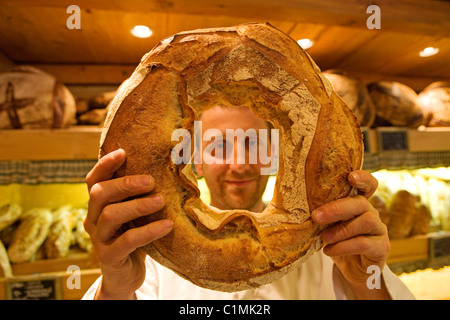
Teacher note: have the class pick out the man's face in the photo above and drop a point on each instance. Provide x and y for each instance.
(233, 185)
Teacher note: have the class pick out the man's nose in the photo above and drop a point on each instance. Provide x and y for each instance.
(240, 161)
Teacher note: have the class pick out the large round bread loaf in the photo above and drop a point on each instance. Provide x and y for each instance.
(320, 143)
(33, 99)
(355, 94)
(395, 104)
(435, 102)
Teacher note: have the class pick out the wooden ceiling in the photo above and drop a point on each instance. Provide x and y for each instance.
(103, 51)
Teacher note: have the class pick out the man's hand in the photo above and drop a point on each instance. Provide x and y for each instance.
(356, 237)
(122, 263)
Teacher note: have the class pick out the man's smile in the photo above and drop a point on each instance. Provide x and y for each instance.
(239, 182)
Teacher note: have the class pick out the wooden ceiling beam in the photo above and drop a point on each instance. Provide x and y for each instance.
(408, 16)
(88, 74)
(114, 75)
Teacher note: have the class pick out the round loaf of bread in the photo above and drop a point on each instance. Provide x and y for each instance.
(320, 142)
(33, 99)
(395, 104)
(354, 92)
(435, 102)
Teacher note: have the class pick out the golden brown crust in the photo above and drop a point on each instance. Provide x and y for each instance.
(30, 234)
(396, 104)
(434, 101)
(355, 94)
(59, 239)
(320, 143)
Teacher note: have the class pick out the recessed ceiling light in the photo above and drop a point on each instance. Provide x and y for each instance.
(430, 51)
(141, 31)
(305, 43)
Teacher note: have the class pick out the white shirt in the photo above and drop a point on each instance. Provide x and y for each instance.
(316, 279)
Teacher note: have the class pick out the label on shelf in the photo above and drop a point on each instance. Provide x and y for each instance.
(393, 140)
(36, 289)
(439, 246)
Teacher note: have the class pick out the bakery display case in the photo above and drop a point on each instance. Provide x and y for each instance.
(46, 253)
(56, 83)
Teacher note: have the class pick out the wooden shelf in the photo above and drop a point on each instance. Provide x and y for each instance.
(419, 252)
(59, 281)
(387, 139)
(80, 142)
(397, 148)
(413, 248)
(53, 275)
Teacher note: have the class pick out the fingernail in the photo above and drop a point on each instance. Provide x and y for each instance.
(355, 176)
(167, 223)
(146, 180)
(118, 152)
(158, 199)
(317, 215)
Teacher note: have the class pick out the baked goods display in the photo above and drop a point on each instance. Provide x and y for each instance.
(255, 65)
(5, 265)
(406, 215)
(395, 104)
(9, 213)
(435, 103)
(390, 103)
(40, 233)
(402, 213)
(413, 202)
(354, 92)
(93, 111)
(30, 235)
(320, 143)
(59, 238)
(33, 99)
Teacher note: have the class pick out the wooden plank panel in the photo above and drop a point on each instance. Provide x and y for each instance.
(81, 259)
(413, 248)
(417, 83)
(89, 74)
(415, 16)
(35, 32)
(87, 278)
(429, 140)
(74, 143)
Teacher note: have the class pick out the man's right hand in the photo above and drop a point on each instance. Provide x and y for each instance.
(121, 261)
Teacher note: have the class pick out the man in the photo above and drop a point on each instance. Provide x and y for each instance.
(356, 240)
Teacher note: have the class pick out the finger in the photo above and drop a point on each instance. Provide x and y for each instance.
(364, 182)
(134, 238)
(107, 192)
(368, 224)
(105, 167)
(341, 210)
(372, 247)
(115, 215)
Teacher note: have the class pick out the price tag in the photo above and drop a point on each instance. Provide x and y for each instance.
(393, 140)
(440, 246)
(38, 289)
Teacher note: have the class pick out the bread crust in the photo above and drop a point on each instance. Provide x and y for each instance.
(320, 143)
